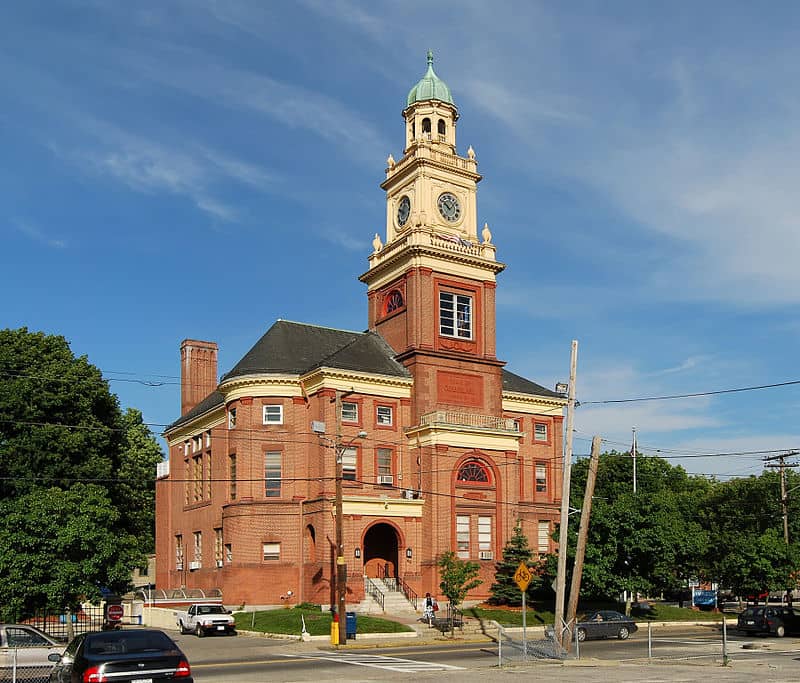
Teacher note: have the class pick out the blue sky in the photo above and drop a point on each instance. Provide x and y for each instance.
(200, 169)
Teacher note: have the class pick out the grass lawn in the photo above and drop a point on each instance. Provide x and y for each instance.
(318, 623)
(534, 617)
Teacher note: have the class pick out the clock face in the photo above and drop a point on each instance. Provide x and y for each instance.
(403, 211)
(449, 207)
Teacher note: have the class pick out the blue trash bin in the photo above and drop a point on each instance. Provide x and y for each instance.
(350, 625)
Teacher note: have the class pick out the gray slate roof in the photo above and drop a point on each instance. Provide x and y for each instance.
(297, 348)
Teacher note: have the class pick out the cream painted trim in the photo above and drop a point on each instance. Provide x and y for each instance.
(533, 405)
(381, 507)
(358, 382)
(464, 437)
(196, 427)
(260, 385)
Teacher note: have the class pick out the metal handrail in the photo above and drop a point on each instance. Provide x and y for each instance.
(371, 588)
(408, 591)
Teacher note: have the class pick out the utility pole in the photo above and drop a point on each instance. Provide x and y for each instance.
(583, 533)
(341, 567)
(563, 532)
(633, 455)
(784, 495)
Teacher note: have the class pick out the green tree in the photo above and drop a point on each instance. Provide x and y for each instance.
(75, 473)
(457, 577)
(58, 547)
(505, 590)
(135, 486)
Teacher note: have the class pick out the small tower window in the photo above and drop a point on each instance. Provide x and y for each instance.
(413, 130)
(426, 128)
(394, 301)
(441, 129)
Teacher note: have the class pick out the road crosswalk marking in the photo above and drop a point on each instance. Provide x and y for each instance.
(379, 662)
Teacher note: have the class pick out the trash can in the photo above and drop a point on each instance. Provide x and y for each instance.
(350, 625)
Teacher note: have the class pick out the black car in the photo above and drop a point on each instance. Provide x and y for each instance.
(142, 654)
(777, 620)
(605, 624)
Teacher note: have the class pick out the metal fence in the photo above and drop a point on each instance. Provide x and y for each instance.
(511, 650)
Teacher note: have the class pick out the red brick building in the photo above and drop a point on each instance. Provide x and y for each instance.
(442, 448)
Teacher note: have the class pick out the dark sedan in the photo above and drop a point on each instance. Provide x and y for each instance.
(142, 655)
(605, 624)
(775, 620)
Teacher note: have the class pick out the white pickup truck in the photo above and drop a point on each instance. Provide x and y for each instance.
(203, 619)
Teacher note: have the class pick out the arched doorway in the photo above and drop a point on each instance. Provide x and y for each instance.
(380, 551)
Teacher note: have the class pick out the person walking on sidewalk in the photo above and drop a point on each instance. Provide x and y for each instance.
(431, 607)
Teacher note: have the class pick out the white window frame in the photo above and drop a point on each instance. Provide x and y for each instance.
(541, 431)
(273, 414)
(484, 533)
(270, 470)
(271, 551)
(538, 468)
(231, 418)
(543, 538)
(350, 463)
(455, 315)
(198, 546)
(384, 416)
(349, 411)
(228, 548)
(462, 537)
(179, 551)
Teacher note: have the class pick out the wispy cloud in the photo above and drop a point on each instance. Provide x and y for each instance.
(36, 234)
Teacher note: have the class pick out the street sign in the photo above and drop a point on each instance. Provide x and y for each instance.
(114, 612)
(522, 577)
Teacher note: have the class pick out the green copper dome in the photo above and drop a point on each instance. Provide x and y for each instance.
(430, 87)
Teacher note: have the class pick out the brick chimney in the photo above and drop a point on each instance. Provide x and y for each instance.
(198, 372)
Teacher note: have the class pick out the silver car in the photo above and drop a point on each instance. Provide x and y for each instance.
(24, 651)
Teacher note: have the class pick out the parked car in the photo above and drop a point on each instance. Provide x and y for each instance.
(605, 624)
(24, 652)
(204, 619)
(141, 654)
(769, 619)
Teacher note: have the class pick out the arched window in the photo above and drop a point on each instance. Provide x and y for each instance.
(311, 544)
(441, 127)
(426, 128)
(474, 472)
(394, 301)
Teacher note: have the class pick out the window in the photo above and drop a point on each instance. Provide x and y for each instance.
(349, 463)
(272, 551)
(218, 547)
(197, 443)
(462, 536)
(541, 477)
(473, 472)
(273, 415)
(231, 418)
(349, 411)
(484, 534)
(272, 474)
(426, 128)
(232, 475)
(179, 551)
(394, 301)
(208, 438)
(384, 464)
(207, 465)
(441, 127)
(384, 416)
(455, 315)
(543, 545)
(540, 432)
(197, 478)
(186, 447)
(198, 546)
(228, 553)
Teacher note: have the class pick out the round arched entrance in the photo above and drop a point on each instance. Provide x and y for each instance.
(380, 551)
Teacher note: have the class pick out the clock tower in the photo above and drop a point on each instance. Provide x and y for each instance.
(432, 281)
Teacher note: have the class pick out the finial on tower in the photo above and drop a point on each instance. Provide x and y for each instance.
(377, 245)
(430, 57)
(486, 234)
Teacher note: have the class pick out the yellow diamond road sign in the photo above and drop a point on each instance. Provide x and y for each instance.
(522, 576)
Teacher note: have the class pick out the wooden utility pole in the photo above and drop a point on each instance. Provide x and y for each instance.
(784, 494)
(563, 530)
(583, 534)
(341, 567)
